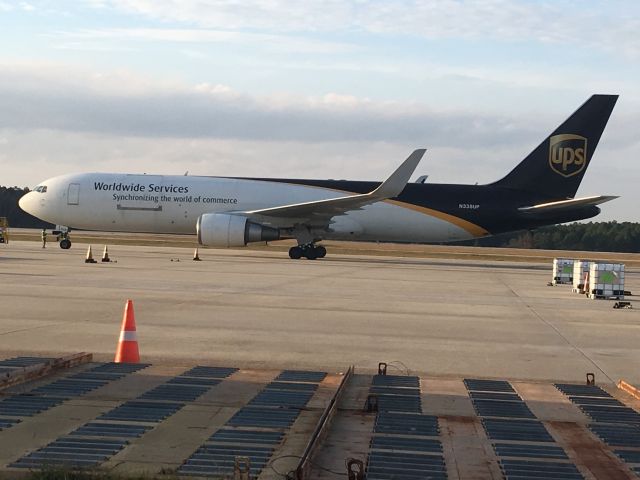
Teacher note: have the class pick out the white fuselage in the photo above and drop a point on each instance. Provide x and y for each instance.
(172, 204)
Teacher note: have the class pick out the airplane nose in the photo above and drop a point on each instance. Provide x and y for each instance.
(26, 203)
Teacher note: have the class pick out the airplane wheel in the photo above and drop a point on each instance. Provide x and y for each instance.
(321, 252)
(65, 244)
(295, 253)
(310, 253)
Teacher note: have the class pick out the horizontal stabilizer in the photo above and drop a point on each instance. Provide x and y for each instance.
(567, 204)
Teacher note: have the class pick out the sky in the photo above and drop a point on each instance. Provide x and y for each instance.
(314, 89)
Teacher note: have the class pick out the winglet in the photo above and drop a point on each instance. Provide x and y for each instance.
(393, 186)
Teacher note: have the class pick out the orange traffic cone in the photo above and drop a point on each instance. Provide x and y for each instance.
(105, 255)
(196, 257)
(89, 258)
(127, 350)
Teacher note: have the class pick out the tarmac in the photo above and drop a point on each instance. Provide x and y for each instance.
(442, 326)
(263, 310)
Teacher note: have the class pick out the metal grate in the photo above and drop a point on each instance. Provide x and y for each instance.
(570, 389)
(26, 405)
(210, 372)
(307, 387)
(69, 387)
(139, 411)
(530, 451)
(407, 424)
(629, 456)
(606, 414)
(518, 430)
(301, 376)
(512, 397)
(606, 401)
(120, 430)
(618, 435)
(498, 408)
(71, 451)
(423, 445)
(387, 465)
(20, 362)
(181, 380)
(121, 368)
(214, 460)
(395, 381)
(264, 417)
(174, 392)
(226, 435)
(8, 422)
(488, 385)
(523, 469)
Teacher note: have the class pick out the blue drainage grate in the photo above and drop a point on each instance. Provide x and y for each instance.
(26, 405)
(571, 389)
(406, 424)
(411, 444)
(488, 385)
(8, 422)
(210, 372)
(518, 430)
(121, 368)
(226, 435)
(523, 469)
(306, 387)
(531, 451)
(78, 452)
(629, 456)
(264, 417)
(217, 460)
(174, 392)
(69, 387)
(395, 381)
(618, 435)
(512, 397)
(181, 380)
(387, 465)
(119, 430)
(497, 408)
(20, 362)
(301, 376)
(140, 411)
(606, 414)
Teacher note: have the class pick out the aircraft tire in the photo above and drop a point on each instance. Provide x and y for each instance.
(321, 252)
(295, 253)
(65, 244)
(310, 253)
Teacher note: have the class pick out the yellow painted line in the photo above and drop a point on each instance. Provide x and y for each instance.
(630, 389)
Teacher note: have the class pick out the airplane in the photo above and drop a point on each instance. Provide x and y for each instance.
(236, 211)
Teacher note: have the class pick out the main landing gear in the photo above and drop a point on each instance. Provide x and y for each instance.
(309, 251)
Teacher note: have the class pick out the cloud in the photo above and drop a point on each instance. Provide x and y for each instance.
(272, 42)
(119, 103)
(610, 25)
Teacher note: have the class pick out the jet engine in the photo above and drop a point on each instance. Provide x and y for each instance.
(224, 230)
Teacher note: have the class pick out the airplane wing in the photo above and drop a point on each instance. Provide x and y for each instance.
(567, 204)
(320, 212)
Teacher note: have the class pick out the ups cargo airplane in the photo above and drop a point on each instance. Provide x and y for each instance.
(232, 212)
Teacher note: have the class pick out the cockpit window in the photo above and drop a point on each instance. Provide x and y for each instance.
(41, 189)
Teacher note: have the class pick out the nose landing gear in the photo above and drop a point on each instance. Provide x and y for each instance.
(309, 251)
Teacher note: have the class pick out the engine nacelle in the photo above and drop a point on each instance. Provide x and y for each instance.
(224, 230)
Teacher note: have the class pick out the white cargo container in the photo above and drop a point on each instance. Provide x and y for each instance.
(562, 270)
(606, 280)
(580, 270)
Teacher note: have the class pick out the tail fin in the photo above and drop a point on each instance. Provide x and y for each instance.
(556, 167)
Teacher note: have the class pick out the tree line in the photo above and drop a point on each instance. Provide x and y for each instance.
(591, 236)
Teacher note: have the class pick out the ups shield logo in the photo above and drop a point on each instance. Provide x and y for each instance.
(567, 154)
